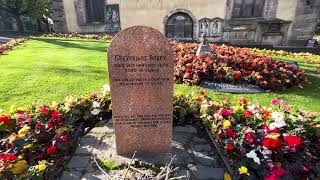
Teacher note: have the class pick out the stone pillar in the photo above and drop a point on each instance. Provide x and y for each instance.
(58, 16)
(271, 7)
(305, 22)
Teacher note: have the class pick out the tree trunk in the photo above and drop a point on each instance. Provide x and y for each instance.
(19, 23)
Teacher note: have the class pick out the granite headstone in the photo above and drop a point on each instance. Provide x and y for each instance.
(140, 61)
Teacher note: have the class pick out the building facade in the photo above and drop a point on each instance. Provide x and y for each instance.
(266, 22)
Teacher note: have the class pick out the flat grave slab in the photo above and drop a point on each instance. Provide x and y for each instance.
(232, 88)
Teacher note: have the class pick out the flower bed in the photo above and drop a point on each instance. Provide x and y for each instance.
(258, 141)
(233, 65)
(106, 37)
(10, 45)
(36, 143)
(274, 53)
(270, 142)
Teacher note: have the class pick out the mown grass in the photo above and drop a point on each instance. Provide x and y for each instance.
(45, 70)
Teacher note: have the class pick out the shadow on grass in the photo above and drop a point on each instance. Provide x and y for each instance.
(309, 90)
(70, 44)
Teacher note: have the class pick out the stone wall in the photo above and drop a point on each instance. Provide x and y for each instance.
(304, 24)
(58, 16)
(149, 13)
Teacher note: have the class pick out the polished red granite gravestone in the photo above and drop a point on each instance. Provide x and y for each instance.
(140, 61)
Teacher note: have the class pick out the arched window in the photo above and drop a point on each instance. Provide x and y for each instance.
(179, 26)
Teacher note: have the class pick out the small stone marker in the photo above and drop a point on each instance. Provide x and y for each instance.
(140, 61)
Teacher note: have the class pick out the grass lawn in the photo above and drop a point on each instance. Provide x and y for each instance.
(45, 70)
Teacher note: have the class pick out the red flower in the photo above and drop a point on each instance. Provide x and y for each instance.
(38, 125)
(202, 93)
(230, 147)
(58, 139)
(43, 110)
(65, 138)
(52, 150)
(7, 157)
(248, 137)
(266, 115)
(247, 114)
(243, 101)
(292, 141)
(5, 119)
(220, 136)
(278, 171)
(230, 133)
(271, 143)
(199, 100)
(55, 115)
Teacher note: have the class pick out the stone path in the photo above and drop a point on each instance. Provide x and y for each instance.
(195, 157)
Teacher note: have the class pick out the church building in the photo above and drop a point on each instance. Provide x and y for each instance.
(255, 22)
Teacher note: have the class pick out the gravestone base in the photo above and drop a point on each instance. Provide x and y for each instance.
(195, 157)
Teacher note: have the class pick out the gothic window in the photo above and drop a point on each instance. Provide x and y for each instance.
(247, 8)
(95, 10)
(179, 26)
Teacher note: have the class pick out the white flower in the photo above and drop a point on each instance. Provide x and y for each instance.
(95, 104)
(278, 121)
(252, 107)
(106, 88)
(277, 116)
(253, 155)
(1, 110)
(95, 111)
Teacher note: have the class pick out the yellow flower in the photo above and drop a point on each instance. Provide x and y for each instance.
(19, 167)
(54, 104)
(226, 124)
(23, 131)
(28, 146)
(227, 176)
(243, 170)
(20, 156)
(13, 108)
(275, 136)
(42, 165)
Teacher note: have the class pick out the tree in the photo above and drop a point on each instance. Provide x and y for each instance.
(18, 8)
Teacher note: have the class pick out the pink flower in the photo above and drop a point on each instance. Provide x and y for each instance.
(313, 114)
(268, 130)
(277, 101)
(288, 108)
(274, 102)
(225, 113)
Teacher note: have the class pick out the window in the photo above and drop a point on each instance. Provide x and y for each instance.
(247, 8)
(179, 26)
(95, 10)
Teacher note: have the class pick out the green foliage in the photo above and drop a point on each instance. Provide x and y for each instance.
(32, 8)
(110, 165)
